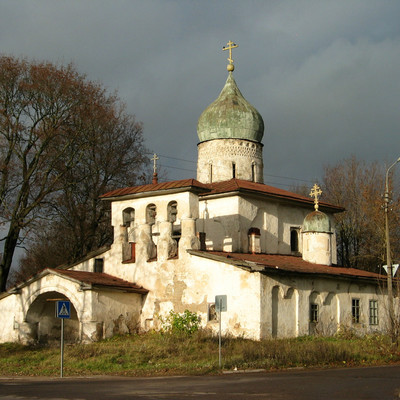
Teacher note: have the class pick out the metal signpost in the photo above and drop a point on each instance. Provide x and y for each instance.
(63, 310)
(220, 306)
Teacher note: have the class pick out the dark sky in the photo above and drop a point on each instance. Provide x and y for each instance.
(323, 74)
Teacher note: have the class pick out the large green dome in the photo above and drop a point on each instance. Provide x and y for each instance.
(230, 116)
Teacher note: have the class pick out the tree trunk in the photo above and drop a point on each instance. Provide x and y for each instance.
(8, 253)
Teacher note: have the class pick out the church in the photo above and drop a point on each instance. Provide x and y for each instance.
(269, 253)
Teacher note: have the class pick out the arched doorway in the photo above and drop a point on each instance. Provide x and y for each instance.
(46, 328)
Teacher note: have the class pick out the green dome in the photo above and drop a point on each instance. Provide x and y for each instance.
(317, 221)
(230, 116)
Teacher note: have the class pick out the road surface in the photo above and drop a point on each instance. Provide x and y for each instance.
(378, 383)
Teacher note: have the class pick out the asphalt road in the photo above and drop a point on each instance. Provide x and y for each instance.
(349, 383)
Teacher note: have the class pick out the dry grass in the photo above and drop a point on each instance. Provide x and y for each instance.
(160, 354)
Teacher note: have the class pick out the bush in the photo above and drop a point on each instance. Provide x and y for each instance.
(187, 322)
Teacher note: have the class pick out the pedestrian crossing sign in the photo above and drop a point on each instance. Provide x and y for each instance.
(63, 309)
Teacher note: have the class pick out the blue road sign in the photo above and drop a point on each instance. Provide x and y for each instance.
(63, 309)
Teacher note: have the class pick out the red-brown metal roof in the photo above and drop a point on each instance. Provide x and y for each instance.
(153, 187)
(100, 279)
(231, 185)
(275, 262)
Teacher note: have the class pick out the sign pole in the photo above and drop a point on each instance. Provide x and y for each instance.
(219, 338)
(220, 305)
(63, 310)
(62, 347)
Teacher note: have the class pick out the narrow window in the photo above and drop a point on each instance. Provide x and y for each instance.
(373, 312)
(294, 239)
(355, 310)
(233, 170)
(98, 265)
(172, 211)
(211, 173)
(314, 310)
(212, 313)
(253, 172)
(128, 217)
(151, 214)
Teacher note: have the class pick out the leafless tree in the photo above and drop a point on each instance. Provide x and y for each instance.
(62, 138)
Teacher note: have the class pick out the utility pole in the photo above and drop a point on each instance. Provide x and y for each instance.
(389, 258)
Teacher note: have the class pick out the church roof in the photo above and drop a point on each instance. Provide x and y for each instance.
(230, 116)
(317, 221)
(243, 186)
(100, 280)
(88, 280)
(275, 263)
(180, 185)
(217, 188)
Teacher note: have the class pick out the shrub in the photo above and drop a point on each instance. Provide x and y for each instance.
(187, 322)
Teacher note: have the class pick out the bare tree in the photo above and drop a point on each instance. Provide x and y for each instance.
(50, 117)
(359, 187)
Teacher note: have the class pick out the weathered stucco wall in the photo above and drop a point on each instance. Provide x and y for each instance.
(286, 306)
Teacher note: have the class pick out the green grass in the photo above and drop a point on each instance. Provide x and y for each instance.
(167, 354)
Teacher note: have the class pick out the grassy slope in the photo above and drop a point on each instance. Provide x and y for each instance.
(161, 354)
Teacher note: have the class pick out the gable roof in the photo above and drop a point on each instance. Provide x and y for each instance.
(275, 263)
(180, 185)
(87, 280)
(248, 187)
(215, 189)
(99, 280)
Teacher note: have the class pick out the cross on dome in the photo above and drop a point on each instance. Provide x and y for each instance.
(316, 192)
(230, 46)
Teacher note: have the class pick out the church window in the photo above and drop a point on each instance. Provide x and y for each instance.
(294, 239)
(233, 170)
(373, 312)
(355, 310)
(151, 213)
(128, 217)
(98, 265)
(212, 312)
(253, 172)
(314, 311)
(172, 211)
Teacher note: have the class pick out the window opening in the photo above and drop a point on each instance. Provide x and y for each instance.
(212, 313)
(98, 265)
(253, 172)
(172, 211)
(314, 311)
(294, 239)
(128, 217)
(355, 310)
(373, 312)
(233, 170)
(151, 214)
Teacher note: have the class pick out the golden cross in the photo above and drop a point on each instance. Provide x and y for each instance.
(230, 46)
(154, 159)
(316, 192)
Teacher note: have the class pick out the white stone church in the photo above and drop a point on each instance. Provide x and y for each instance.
(178, 244)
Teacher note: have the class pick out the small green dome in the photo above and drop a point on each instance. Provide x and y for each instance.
(230, 116)
(317, 221)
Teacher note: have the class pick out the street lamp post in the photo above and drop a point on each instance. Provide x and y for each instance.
(388, 255)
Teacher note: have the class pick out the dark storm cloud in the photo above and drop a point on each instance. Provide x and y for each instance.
(324, 74)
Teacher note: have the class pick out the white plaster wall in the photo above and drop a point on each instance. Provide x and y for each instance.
(227, 220)
(10, 314)
(334, 299)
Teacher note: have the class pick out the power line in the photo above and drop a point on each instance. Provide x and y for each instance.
(193, 170)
